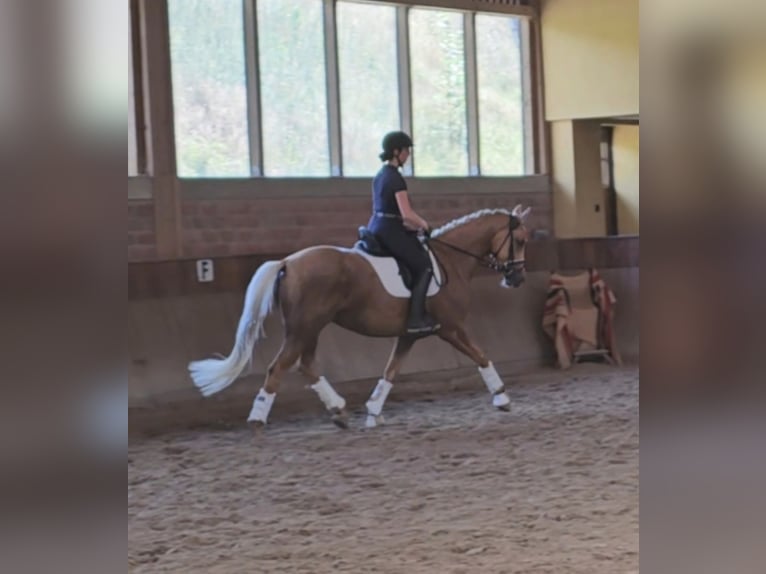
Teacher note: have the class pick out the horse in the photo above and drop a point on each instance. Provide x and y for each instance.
(327, 284)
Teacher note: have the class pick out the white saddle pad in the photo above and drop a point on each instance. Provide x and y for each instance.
(388, 273)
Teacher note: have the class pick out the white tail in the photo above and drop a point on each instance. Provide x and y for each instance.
(214, 375)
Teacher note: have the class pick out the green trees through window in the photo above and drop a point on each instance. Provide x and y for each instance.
(211, 101)
(209, 93)
(440, 129)
(501, 119)
(369, 83)
(293, 88)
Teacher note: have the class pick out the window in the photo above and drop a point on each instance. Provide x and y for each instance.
(209, 93)
(369, 92)
(293, 88)
(254, 89)
(501, 95)
(440, 130)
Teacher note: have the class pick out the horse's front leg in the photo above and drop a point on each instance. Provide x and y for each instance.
(459, 339)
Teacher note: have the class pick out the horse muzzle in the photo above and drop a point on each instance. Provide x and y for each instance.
(513, 272)
(514, 278)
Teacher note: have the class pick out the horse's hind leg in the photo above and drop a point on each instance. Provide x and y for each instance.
(286, 358)
(331, 399)
(379, 395)
(459, 339)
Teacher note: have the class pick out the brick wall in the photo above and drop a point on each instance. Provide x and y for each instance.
(141, 234)
(221, 227)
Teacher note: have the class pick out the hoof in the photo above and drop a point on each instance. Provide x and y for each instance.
(501, 402)
(340, 419)
(256, 427)
(374, 421)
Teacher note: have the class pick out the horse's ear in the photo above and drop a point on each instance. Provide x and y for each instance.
(524, 214)
(516, 210)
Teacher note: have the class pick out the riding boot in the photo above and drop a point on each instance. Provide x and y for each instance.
(419, 321)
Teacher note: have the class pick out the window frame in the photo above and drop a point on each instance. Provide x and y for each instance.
(136, 73)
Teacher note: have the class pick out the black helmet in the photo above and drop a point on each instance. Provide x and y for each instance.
(392, 141)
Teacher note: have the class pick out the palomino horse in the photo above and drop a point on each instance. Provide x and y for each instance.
(322, 285)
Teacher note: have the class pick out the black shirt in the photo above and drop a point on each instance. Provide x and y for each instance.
(387, 182)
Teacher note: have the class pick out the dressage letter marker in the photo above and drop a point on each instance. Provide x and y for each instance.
(205, 272)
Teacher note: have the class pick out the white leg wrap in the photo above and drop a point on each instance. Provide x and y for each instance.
(327, 395)
(491, 379)
(261, 407)
(378, 397)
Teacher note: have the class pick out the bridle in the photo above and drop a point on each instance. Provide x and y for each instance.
(510, 269)
(508, 266)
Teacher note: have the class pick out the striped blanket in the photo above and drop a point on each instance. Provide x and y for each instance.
(579, 315)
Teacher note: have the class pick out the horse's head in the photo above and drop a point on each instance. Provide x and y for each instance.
(509, 246)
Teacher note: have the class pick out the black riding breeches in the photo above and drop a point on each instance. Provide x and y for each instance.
(406, 247)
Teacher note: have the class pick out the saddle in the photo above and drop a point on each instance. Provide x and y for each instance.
(393, 274)
(369, 243)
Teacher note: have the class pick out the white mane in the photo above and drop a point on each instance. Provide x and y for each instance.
(467, 219)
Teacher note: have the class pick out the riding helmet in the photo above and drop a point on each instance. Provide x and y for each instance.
(394, 140)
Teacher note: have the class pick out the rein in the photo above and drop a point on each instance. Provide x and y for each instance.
(491, 261)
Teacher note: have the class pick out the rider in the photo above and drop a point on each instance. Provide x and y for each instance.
(396, 225)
